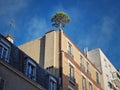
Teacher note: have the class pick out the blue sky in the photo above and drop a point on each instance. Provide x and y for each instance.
(94, 23)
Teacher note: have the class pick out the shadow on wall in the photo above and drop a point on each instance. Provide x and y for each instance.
(66, 82)
(42, 51)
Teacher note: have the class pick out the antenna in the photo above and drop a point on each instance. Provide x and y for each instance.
(11, 23)
(8, 36)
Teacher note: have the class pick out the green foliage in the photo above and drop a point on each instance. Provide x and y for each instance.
(60, 19)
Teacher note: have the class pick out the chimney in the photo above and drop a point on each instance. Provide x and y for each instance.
(85, 51)
(10, 38)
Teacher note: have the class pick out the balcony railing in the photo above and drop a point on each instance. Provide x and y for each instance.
(4, 58)
(112, 85)
(31, 76)
(88, 72)
(116, 79)
(72, 80)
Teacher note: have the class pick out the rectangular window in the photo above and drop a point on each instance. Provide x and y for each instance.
(82, 62)
(83, 83)
(52, 84)
(70, 49)
(97, 78)
(105, 63)
(88, 69)
(1, 84)
(90, 86)
(31, 69)
(4, 52)
(71, 73)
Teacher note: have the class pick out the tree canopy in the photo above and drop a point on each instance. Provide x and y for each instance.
(60, 19)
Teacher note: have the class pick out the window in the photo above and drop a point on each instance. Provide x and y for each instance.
(83, 83)
(31, 69)
(97, 78)
(52, 84)
(107, 80)
(70, 49)
(71, 73)
(82, 62)
(4, 52)
(90, 86)
(115, 75)
(88, 68)
(1, 83)
(105, 63)
(109, 66)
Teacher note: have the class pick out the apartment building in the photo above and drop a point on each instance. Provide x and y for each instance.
(18, 71)
(60, 56)
(111, 76)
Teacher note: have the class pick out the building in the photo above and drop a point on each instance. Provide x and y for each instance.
(60, 56)
(111, 76)
(18, 71)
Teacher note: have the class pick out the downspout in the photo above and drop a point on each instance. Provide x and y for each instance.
(60, 57)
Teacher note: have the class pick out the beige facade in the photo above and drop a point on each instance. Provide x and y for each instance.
(58, 54)
(15, 80)
(33, 49)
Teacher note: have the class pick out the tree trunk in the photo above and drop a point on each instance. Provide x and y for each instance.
(60, 26)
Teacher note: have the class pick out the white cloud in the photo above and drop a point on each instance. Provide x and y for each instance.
(106, 31)
(36, 28)
(108, 26)
(101, 34)
(11, 6)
